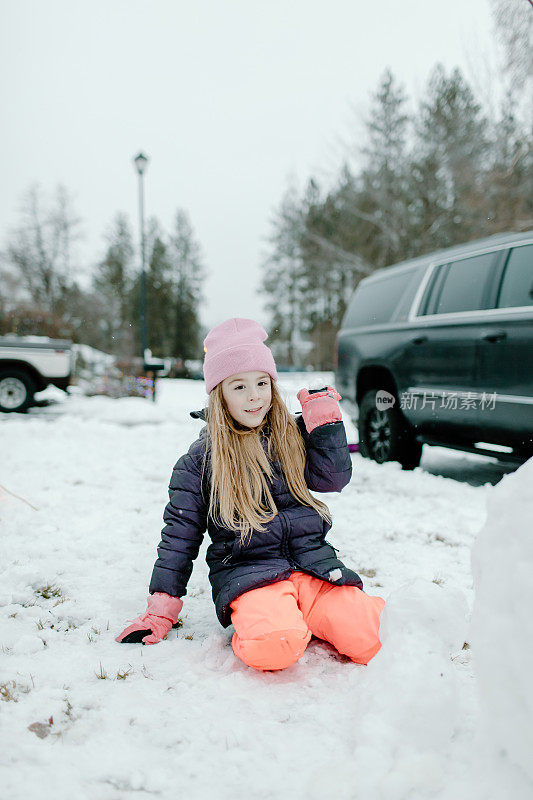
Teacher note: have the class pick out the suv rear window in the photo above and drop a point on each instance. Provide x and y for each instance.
(517, 284)
(462, 285)
(374, 303)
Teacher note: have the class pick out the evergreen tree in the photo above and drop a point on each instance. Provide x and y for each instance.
(159, 294)
(112, 285)
(509, 179)
(359, 225)
(447, 169)
(381, 202)
(187, 274)
(282, 282)
(327, 273)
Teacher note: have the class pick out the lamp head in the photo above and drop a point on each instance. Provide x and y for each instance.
(141, 162)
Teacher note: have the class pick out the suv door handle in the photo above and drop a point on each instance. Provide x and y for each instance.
(419, 340)
(497, 336)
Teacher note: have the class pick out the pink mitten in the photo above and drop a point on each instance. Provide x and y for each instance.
(319, 406)
(152, 626)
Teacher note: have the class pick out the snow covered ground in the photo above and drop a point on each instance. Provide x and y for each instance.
(83, 486)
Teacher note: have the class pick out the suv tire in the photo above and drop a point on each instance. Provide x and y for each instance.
(16, 390)
(384, 435)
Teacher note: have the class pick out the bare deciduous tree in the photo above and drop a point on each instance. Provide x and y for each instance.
(514, 30)
(40, 247)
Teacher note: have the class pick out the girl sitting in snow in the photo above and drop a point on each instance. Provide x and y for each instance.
(246, 479)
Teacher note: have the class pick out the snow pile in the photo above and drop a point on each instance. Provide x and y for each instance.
(95, 360)
(407, 710)
(502, 635)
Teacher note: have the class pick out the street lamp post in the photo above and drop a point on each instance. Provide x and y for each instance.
(141, 162)
(151, 365)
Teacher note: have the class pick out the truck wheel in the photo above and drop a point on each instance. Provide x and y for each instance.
(384, 434)
(16, 390)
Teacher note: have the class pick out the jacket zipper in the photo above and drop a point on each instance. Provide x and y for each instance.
(285, 541)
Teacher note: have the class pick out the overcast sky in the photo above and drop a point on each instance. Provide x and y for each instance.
(227, 97)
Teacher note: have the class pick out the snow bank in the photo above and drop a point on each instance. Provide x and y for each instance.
(502, 634)
(408, 709)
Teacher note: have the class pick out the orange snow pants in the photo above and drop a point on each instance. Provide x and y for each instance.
(273, 624)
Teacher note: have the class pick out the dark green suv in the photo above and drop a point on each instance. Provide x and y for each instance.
(439, 349)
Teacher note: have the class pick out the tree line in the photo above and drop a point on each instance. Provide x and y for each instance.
(41, 293)
(447, 172)
(453, 167)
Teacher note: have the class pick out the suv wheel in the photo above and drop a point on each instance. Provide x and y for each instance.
(16, 390)
(384, 434)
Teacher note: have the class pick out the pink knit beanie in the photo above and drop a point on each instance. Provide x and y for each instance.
(236, 346)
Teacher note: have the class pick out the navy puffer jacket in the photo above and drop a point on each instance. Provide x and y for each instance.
(293, 540)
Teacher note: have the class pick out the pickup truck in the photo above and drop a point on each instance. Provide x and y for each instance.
(29, 364)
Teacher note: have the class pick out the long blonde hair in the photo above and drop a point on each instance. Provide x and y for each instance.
(240, 471)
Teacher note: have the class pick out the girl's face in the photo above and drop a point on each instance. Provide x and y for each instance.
(248, 396)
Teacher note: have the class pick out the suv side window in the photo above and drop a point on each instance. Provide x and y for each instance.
(375, 302)
(517, 285)
(461, 286)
